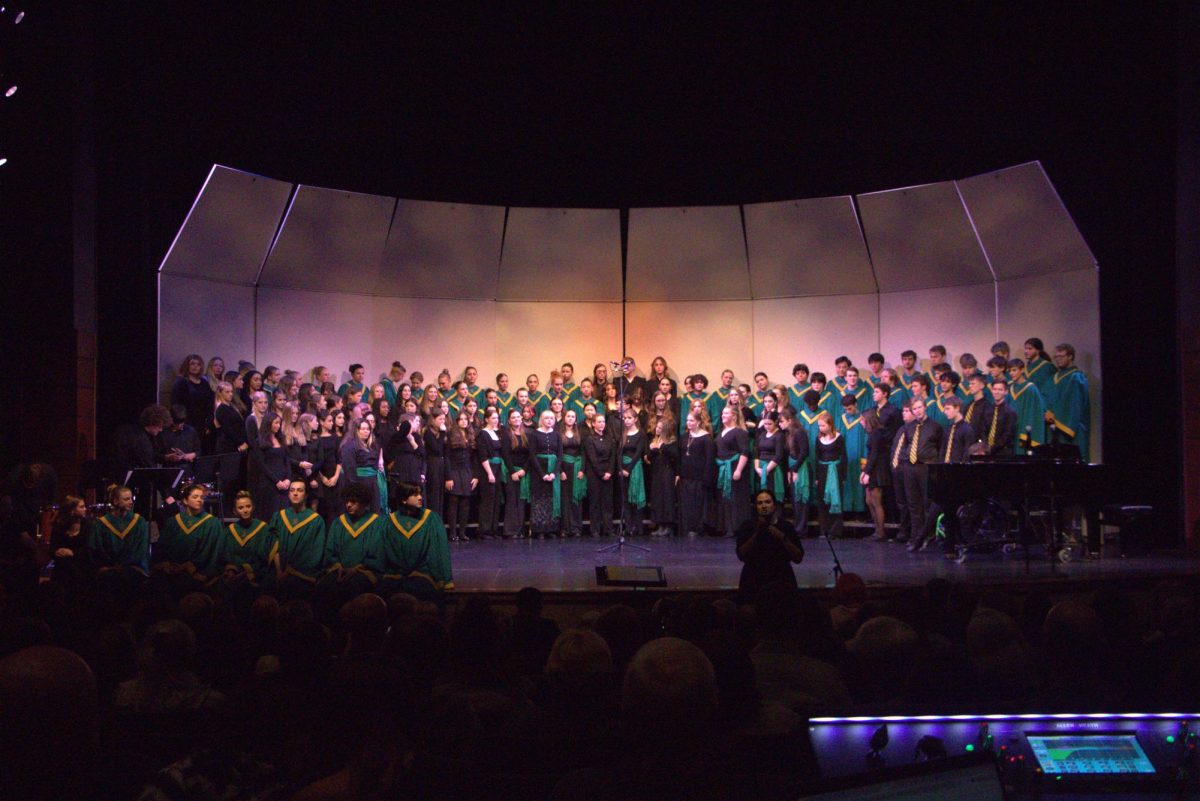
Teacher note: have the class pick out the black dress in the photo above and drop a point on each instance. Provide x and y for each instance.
(541, 492)
(664, 468)
(768, 560)
(830, 522)
(572, 513)
(633, 453)
(273, 466)
(198, 399)
(435, 469)
(75, 572)
(697, 477)
(407, 454)
(329, 499)
(230, 436)
(733, 508)
(768, 449)
(600, 457)
(516, 456)
(459, 470)
(490, 492)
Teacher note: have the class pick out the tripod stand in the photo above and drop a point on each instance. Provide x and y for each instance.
(621, 490)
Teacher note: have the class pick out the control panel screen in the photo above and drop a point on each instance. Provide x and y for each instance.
(1089, 755)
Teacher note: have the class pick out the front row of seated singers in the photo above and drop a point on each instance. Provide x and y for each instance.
(294, 554)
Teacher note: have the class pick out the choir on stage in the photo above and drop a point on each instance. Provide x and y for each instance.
(332, 489)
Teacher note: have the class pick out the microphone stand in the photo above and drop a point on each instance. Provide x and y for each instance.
(620, 494)
(837, 564)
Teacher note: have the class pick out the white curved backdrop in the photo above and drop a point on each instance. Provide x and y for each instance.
(296, 276)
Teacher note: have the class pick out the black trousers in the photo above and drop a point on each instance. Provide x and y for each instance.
(600, 505)
(916, 497)
(489, 506)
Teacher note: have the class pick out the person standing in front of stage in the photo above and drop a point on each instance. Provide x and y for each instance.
(515, 453)
(998, 428)
(545, 498)
(663, 452)
(574, 486)
(491, 484)
(600, 466)
(1067, 405)
(632, 455)
(767, 547)
(921, 447)
(697, 473)
(830, 470)
(460, 478)
(877, 474)
(733, 484)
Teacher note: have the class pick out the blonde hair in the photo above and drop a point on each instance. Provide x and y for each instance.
(289, 427)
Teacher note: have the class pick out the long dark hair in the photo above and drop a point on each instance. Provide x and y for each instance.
(1041, 348)
(266, 438)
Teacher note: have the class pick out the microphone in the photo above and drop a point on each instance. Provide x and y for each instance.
(1027, 438)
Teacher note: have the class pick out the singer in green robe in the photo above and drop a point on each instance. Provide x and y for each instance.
(1067, 405)
(850, 425)
(416, 552)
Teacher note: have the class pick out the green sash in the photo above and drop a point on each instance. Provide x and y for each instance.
(578, 487)
(725, 476)
(802, 488)
(833, 488)
(498, 463)
(380, 483)
(636, 492)
(524, 493)
(777, 482)
(552, 469)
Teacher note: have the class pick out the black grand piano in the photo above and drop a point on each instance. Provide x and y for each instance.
(1011, 501)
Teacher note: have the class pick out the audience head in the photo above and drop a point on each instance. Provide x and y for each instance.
(669, 695)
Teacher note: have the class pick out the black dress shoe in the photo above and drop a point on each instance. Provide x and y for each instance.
(914, 545)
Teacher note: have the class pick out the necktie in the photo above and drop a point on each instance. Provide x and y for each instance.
(896, 453)
(912, 448)
(950, 441)
(992, 428)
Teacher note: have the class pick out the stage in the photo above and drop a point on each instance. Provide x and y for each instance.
(710, 564)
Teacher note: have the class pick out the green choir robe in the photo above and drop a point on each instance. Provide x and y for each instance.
(122, 542)
(578, 403)
(755, 402)
(355, 544)
(349, 385)
(455, 403)
(898, 396)
(796, 395)
(536, 398)
(809, 421)
(906, 379)
(853, 493)
(250, 547)
(1068, 401)
(507, 402)
(571, 389)
(1027, 401)
(446, 393)
(862, 397)
(1041, 372)
(935, 410)
(831, 401)
(544, 402)
(716, 404)
(301, 542)
(685, 406)
(837, 384)
(193, 543)
(476, 392)
(416, 547)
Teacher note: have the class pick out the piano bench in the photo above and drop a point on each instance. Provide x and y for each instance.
(1132, 523)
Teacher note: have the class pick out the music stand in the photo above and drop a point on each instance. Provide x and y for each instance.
(152, 481)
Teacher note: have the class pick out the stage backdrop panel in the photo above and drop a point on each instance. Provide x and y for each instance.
(696, 253)
(442, 250)
(561, 254)
(428, 334)
(814, 331)
(228, 231)
(963, 318)
(807, 247)
(539, 337)
(1023, 223)
(211, 318)
(921, 237)
(330, 239)
(694, 337)
(1059, 307)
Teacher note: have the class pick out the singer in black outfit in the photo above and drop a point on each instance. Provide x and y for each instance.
(600, 466)
(697, 476)
(768, 547)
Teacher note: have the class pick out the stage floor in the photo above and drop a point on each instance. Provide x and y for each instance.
(711, 564)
